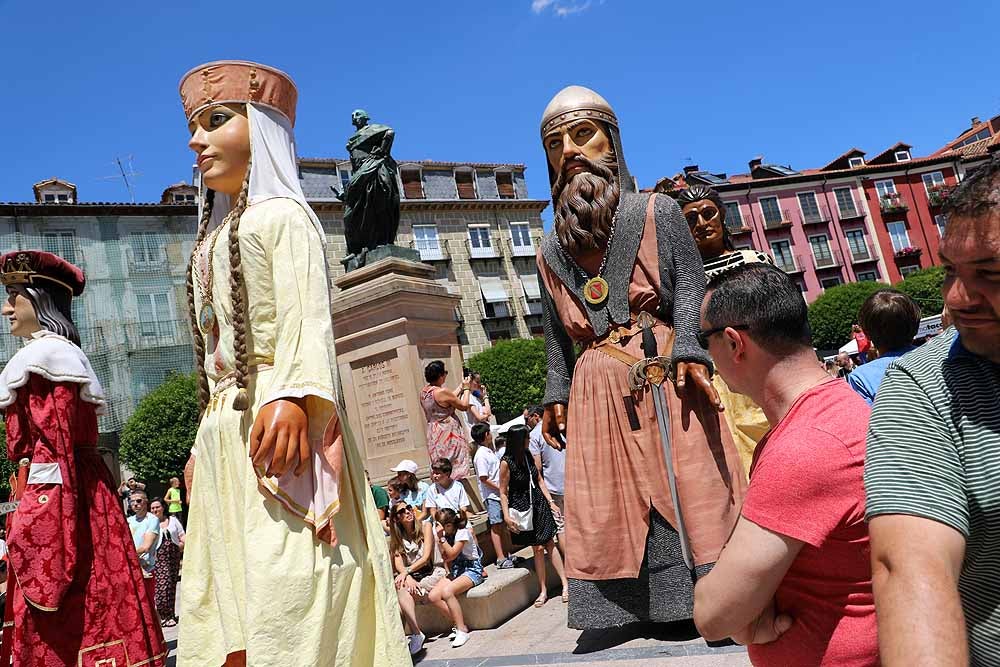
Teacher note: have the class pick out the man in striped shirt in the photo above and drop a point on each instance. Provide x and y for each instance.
(932, 473)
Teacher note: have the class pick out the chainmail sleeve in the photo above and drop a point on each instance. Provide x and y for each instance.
(559, 353)
(688, 283)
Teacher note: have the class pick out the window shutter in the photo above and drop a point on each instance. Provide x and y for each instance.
(505, 185)
(412, 187)
(466, 188)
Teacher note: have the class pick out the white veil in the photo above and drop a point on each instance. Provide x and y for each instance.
(273, 171)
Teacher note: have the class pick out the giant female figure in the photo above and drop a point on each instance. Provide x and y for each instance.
(285, 561)
(76, 595)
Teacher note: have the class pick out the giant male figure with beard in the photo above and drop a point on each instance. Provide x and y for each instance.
(616, 253)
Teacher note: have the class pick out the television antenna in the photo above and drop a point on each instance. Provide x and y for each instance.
(125, 172)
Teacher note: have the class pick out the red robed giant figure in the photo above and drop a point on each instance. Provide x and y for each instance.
(76, 594)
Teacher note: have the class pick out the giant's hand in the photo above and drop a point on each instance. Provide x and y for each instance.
(554, 425)
(279, 439)
(697, 374)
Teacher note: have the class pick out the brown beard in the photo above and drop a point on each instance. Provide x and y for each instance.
(586, 204)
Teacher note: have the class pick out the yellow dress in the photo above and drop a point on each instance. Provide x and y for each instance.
(257, 576)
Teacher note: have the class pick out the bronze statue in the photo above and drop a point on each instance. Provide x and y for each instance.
(371, 197)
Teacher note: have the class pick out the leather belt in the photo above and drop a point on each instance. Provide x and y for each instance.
(612, 342)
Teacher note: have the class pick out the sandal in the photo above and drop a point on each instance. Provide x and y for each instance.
(542, 599)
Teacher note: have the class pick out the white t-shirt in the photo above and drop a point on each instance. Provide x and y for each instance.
(488, 466)
(470, 549)
(454, 497)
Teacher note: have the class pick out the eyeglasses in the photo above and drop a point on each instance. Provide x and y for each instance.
(136, 502)
(704, 334)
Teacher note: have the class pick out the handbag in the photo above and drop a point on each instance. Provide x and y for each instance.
(525, 518)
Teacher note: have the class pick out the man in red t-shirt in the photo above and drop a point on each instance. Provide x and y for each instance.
(794, 581)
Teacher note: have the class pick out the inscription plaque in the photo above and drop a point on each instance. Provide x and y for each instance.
(381, 390)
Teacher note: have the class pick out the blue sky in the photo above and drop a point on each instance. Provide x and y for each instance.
(716, 83)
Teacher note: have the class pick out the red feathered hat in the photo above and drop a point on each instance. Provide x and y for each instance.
(41, 269)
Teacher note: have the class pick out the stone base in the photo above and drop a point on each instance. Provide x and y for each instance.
(390, 319)
(365, 257)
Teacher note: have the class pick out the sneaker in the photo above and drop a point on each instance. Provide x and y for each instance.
(461, 639)
(505, 564)
(417, 643)
(454, 631)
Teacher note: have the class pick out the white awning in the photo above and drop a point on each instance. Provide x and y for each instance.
(493, 290)
(529, 283)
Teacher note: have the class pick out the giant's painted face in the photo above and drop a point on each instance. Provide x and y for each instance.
(220, 137)
(585, 138)
(20, 312)
(705, 222)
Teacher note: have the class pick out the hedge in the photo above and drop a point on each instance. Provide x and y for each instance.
(514, 372)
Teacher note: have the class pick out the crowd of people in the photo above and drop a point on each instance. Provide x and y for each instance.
(519, 479)
(158, 534)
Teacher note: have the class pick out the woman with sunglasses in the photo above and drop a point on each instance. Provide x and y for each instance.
(706, 216)
(417, 563)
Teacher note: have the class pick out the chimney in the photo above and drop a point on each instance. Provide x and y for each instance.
(690, 169)
(754, 163)
(975, 121)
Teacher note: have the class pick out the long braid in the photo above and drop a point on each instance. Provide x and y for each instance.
(237, 288)
(196, 335)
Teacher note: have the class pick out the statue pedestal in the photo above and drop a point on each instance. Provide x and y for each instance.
(391, 319)
(355, 262)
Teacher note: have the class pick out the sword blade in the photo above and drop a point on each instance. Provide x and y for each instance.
(662, 421)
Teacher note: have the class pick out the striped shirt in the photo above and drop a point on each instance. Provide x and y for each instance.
(934, 452)
(723, 263)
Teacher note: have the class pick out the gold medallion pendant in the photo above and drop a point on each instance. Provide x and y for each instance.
(595, 291)
(206, 318)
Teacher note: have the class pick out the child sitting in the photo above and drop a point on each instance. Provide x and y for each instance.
(462, 559)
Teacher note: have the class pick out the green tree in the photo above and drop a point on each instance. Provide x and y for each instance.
(514, 372)
(924, 287)
(157, 439)
(833, 313)
(7, 468)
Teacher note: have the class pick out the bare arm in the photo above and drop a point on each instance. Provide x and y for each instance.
(916, 564)
(189, 473)
(488, 484)
(741, 586)
(504, 501)
(448, 399)
(148, 540)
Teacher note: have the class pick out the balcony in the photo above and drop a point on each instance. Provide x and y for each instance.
(520, 250)
(784, 221)
(788, 263)
(155, 334)
(909, 252)
(737, 229)
(498, 310)
(532, 307)
(850, 213)
(827, 260)
(939, 194)
(820, 217)
(861, 255)
(482, 251)
(431, 251)
(150, 263)
(893, 205)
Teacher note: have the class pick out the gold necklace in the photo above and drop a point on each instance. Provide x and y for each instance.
(206, 316)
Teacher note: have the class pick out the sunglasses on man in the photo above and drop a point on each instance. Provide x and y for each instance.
(704, 334)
